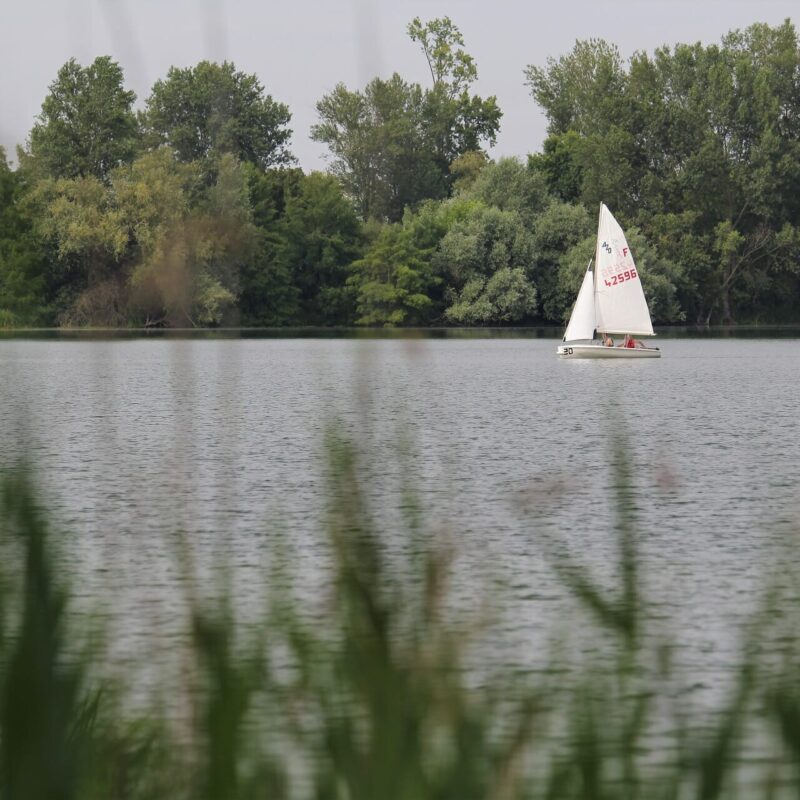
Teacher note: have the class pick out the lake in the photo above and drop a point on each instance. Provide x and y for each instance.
(142, 445)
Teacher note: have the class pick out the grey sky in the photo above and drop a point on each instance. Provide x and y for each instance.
(300, 49)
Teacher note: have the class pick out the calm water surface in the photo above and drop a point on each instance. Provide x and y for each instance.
(510, 451)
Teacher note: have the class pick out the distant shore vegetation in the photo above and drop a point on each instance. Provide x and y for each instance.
(192, 212)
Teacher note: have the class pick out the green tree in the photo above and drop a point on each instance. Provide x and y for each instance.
(268, 296)
(155, 246)
(441, 41)
(453, 72)
(555, 232)
(559, 162)
(98, 233)
(511, 186)
(466, 168)
(321, 237)
(392, 145)
(187, 271)
(485, 242)
(506, 296)
(22, 286)
(377, 142)
(581, 91)
(212, 109)
(456, 122)
(85, 232)
(728, 154)
(394, 281)
(86, 127)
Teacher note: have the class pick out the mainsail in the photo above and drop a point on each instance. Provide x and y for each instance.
(620, 306)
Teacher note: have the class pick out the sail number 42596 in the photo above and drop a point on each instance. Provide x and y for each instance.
(620, 277)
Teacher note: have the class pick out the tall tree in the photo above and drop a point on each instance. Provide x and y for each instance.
(441, 41)
(377, 140)
(456, 122)
(22, 286)
(392, 145)
(321, 237)
(211, 109)
(268, 296)
(395, 280)
(582, 90)
(725, 144)
(86, 126)
(559, 163)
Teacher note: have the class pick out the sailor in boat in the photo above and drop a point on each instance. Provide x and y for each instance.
(629, 341)
(608, 341)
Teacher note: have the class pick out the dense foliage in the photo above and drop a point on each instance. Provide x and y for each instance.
(190, 212)
(700, 147)
(212, 108)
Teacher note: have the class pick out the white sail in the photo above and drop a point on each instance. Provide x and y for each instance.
(619, 300)
(582, 322)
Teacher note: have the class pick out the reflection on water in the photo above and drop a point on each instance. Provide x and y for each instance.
(141, 444)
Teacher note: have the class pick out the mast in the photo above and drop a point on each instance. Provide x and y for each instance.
(596, 262)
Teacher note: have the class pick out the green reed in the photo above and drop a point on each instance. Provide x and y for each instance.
(373, 698)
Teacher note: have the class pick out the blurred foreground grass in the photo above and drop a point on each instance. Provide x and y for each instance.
(372, 700)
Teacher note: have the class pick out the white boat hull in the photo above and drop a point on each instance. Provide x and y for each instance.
(568, 350)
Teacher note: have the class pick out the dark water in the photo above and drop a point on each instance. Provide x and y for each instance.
(142, 446)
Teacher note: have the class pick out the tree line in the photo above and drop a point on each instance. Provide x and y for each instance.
(192, 212)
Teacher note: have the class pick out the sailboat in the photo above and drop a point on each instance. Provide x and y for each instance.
(610, 301)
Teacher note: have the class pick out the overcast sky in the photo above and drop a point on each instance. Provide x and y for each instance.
(300, 49)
